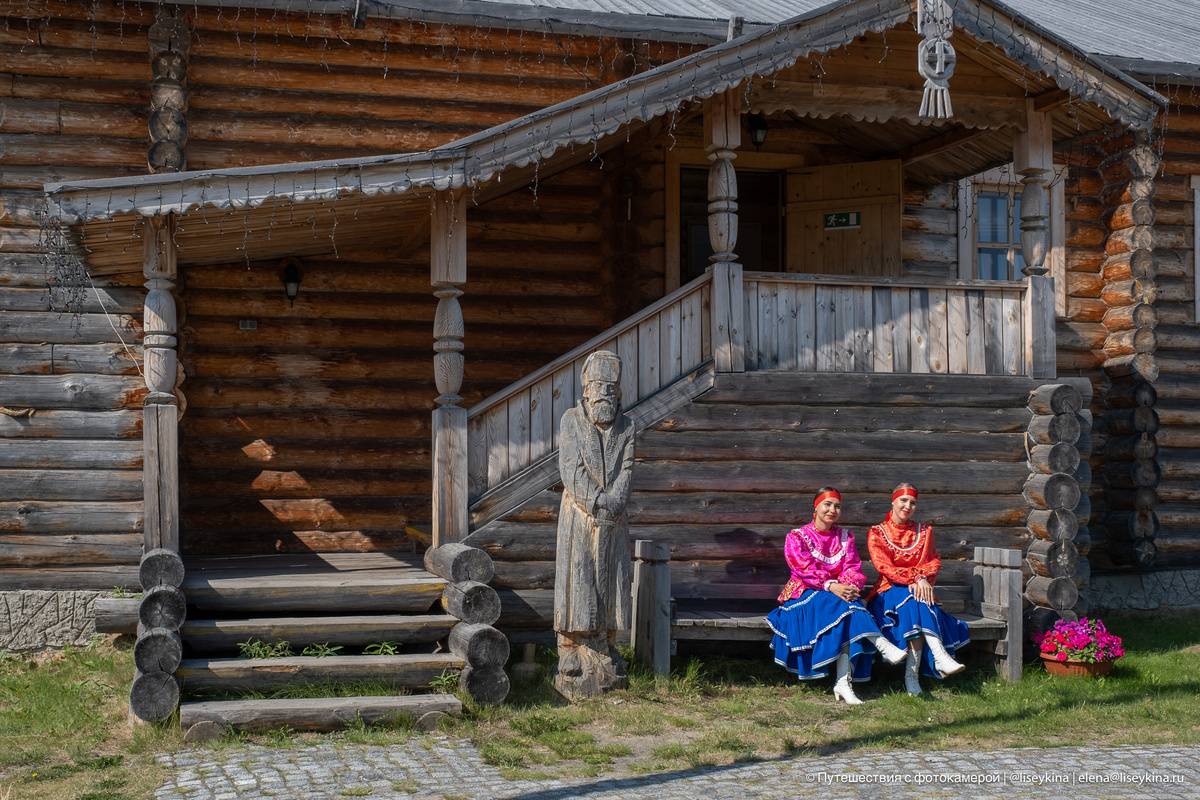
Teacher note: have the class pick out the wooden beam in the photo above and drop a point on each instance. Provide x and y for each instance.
(1052, 99)
(938, 144)
(160, 427)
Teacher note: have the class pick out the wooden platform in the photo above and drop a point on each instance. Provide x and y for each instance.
(325, 582)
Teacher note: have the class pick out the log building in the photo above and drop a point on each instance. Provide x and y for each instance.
(230, 238)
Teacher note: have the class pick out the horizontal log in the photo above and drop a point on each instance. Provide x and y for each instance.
(71, 391)
(1141, 366)
(472, 602)
(71, 454)
(785, 508)
(330, 364)
(319, 423)
(283, 483)
(1141, 553)
(821, 389)
(250, 540)
(1127, 215)
(850, 446)
(1051, 458)
(1053, 559)
(209, 635)
(1137, 340)
(157, 650)
(1178, 387)
(62, 359)
(528, 609)
(507, 541)
(939, 416)
(485, 685)
(1082, 578)
(1057, 593)
(1083, 511)
(1132, 421)
(480, 646)
(117, 614)
(1129, 448)
(317, 714)
(75, 578)
(162, 607)
(154, 696)
(1052, 491)
(49, 550)
(1080, 336)
(330, 592)
(1055, 398)
(1145, 497)
(1129, 292)
(160, 567)
(313, 513)
(1059, 428)
(63, 484)
(93, 300)
(303, 454)
(70, 518)
(409, 671)
(1083, 542)
(1134, 525)
(1131, 394)
(458, 562)
(663, 475)
(1057, 525)
(1086, 309)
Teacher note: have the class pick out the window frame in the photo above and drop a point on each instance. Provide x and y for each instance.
(1004, 178)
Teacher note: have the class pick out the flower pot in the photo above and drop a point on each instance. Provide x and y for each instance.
(1092, 669)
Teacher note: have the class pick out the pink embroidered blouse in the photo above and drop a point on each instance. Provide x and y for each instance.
(819, 558)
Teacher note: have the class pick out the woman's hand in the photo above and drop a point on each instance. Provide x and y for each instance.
(923, 591)
(845, 591)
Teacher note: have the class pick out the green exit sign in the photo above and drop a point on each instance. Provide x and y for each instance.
(843, 219)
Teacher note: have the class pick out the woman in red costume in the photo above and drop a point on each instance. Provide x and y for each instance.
(821, 619)
(902, 600)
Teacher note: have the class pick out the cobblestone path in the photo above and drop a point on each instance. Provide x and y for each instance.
(451, 769)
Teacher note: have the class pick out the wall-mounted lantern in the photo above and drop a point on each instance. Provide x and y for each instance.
(757, 125)
(291, 279)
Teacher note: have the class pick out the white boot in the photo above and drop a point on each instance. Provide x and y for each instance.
(912, 669)
(889, 651)
(942, 661)
(843, 689)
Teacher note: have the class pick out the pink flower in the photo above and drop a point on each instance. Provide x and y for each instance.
(1061, 657)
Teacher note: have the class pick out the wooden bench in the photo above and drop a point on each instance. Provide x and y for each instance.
(991, 608)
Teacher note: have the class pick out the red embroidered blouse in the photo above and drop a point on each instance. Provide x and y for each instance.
(902, 554)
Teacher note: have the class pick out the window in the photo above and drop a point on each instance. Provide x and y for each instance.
(989, 229)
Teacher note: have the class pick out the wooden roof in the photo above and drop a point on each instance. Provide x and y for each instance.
(326, 206)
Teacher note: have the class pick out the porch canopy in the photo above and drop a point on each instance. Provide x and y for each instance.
(324, 207)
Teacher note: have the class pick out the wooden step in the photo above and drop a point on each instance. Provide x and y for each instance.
(411, 671)
(209, 635)
(316, 714)
(325, 582)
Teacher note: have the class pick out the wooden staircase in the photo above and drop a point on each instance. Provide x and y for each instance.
(347, 601)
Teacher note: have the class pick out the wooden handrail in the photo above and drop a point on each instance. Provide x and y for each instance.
(904, 283)
(590, 345)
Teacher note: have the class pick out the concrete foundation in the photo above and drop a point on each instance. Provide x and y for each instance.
(35, 620)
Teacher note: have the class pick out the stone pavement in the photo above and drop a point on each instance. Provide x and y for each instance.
(451, 769)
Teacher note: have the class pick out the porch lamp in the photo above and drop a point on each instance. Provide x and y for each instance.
(291, 279)
(757, 125)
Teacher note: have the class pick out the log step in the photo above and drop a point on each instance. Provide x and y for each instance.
(314, 592)
(317, 714)
(207, 635)
(410, 671)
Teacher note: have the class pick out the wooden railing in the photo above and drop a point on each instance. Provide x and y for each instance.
(830, 323)
(518, 427)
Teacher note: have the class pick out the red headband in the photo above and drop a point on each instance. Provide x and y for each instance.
(826, 496)
(904, 492)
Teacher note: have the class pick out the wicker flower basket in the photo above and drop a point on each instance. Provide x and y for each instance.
(1083, 669)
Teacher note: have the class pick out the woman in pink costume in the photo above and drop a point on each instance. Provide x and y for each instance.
(821, 619)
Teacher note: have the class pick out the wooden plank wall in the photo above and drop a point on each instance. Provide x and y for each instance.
(269, 88)
(723, 478)
(840, 326)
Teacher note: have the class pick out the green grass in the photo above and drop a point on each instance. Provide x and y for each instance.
(719, 710)
(64, 732)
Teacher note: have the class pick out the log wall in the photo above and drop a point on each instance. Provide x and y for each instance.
(77, 89)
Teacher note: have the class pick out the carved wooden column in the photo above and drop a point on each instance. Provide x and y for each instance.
(169, 40)
(723, 135)
(1033, 160)
(448, 271)
(160, 428)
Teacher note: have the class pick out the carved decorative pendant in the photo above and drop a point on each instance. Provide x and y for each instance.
(935, 57)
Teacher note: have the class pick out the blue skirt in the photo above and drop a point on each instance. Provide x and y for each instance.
(902, 617)
(811, 631)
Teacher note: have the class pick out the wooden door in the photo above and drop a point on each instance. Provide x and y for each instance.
(844, 219)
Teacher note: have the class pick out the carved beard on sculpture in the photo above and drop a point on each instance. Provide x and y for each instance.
(600, 400)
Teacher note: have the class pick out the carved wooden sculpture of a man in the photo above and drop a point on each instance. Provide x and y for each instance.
(592, 571)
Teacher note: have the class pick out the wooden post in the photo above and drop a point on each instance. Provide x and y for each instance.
(1033, 160)
(723, 135)
(448, 271)
(160, 430)
(652, 605)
